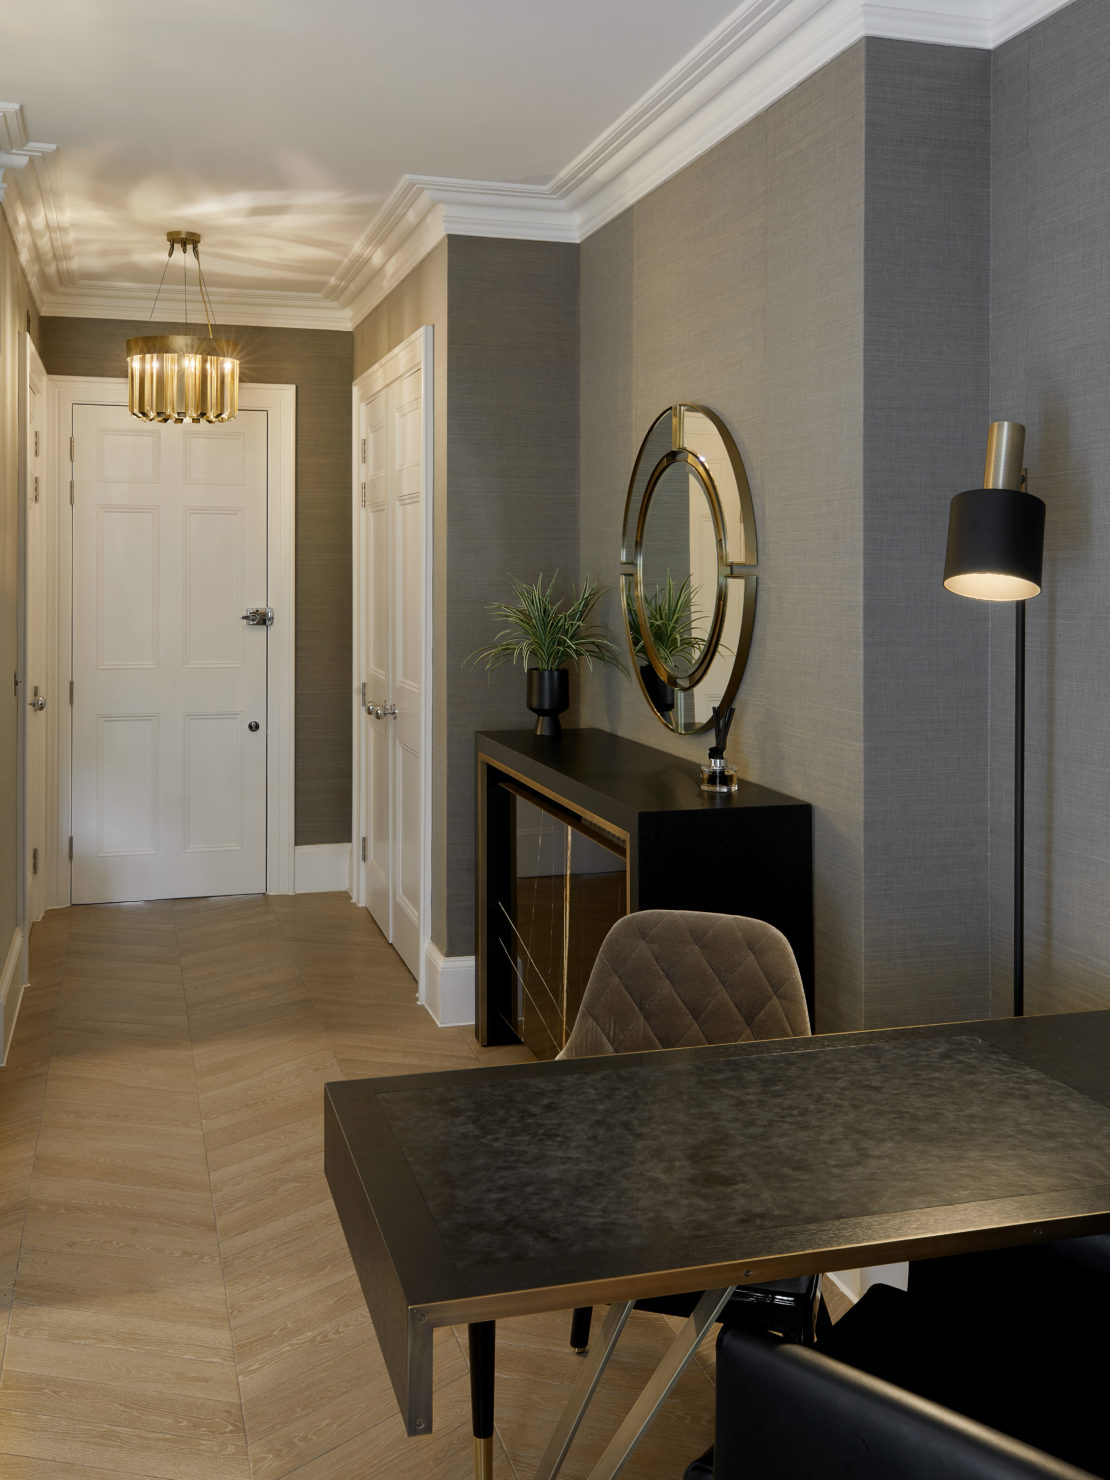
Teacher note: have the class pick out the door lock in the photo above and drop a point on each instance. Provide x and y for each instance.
(37, 700)
(259, 616)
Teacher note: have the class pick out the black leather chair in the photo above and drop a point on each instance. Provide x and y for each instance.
(787, 1412)
(1013, 1338)
(680, 978)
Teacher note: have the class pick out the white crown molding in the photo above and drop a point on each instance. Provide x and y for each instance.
(35, 206)
(247, 307)
(1011, 17)
(761, 51)
(757, 54)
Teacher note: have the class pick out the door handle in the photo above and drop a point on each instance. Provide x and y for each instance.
(37, 700)
(259, 616)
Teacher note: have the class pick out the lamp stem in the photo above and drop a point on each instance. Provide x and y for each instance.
(1019, 808)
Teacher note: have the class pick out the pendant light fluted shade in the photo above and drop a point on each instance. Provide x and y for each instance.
(996, 533)
(176, 377)
(183, 377)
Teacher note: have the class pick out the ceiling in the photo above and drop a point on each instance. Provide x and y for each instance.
(319, 148)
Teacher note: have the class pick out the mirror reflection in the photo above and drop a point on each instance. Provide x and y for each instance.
(687, 554)
(679, 568)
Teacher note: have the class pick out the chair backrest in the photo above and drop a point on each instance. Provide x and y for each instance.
(786, 1412)
(682, 978)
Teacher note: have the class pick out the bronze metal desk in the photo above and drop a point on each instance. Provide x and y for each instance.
(462, 1198)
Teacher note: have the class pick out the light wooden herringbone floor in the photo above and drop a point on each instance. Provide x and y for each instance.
(176, 1299)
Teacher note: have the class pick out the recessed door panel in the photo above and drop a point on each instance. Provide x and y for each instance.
(127, 456)
(126, 784)
(215, 455)
(214, 781)
(214, 594)
(127, 587)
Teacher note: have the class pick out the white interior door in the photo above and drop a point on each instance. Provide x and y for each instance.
(170, 702)
(36, 686)
(392, 549)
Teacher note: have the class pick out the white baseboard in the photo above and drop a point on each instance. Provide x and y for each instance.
(321, 868)
(449, 988)
(11, 992)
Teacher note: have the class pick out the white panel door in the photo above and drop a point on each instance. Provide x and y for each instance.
(407, 631)
(376, 731)
(392, 542)
(169, 542)
(35, 688)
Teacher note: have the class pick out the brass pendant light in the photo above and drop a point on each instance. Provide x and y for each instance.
(183, 377)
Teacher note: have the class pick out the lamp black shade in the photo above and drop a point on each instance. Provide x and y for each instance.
(995, 544)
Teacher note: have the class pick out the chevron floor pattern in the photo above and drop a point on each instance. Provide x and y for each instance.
(176, 1299)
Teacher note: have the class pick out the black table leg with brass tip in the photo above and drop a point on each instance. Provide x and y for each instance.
(580, 1329)
(481, 1335)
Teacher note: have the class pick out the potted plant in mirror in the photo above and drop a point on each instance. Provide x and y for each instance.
(670, 623)
(549, 636)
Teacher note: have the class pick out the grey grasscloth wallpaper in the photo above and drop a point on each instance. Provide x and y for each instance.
(319, 363)
(925, 391)
(820, 278)
(1050, 368)
(739, 283)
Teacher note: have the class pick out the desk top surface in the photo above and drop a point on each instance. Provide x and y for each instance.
(593, 767)
(541, 1186)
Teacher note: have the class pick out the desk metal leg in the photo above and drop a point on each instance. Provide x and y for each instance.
(670, 1369)
(481, 1336)
(583, 1391)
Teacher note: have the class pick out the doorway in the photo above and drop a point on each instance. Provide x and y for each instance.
(392, 545)
(175, 755)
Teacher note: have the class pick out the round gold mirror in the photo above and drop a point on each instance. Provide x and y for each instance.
(687, 567)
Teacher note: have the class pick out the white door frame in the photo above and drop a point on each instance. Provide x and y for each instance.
(417, 348)
(281, 402)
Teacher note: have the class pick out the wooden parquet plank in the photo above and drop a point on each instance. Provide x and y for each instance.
(175, 1292)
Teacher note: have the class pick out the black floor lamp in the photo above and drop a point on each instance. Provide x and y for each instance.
(995, 549)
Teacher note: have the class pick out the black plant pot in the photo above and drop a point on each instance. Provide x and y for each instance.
(658, 691)
(548, 696)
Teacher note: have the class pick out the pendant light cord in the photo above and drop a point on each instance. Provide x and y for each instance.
(165, 269)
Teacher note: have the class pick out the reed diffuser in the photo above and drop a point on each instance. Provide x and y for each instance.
(716, 776)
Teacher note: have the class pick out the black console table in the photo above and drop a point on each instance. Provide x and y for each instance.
(673, 846)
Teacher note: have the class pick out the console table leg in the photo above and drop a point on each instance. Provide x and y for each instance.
(481, 1340)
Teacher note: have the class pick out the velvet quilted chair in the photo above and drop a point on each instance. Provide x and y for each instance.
(680, 979)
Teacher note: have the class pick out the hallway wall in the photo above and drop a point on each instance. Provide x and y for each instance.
(803, 279)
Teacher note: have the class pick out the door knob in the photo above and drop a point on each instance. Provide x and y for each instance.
(253, 726)
(37, 700)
